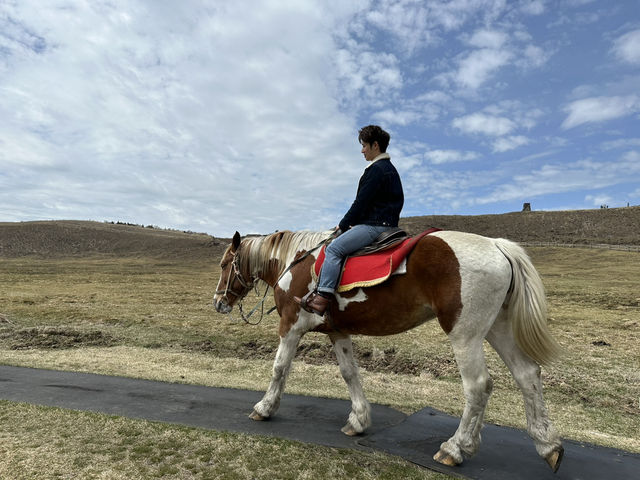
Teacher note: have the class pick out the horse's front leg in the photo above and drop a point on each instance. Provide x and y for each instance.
(360, 416)
(269, 404)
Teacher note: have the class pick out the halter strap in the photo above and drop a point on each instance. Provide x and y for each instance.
(238, 276)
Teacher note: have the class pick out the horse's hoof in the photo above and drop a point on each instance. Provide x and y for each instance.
(445, 459)
(349, 430)
(555, 458)
(256, 416)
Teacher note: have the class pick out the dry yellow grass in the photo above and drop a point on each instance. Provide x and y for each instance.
(47, 443)
(149, 318)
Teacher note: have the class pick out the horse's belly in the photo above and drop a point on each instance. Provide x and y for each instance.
(379, 323)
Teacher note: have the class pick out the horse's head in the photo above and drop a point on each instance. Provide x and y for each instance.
(233, 284)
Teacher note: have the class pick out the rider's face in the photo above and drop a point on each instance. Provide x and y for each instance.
(370, 150)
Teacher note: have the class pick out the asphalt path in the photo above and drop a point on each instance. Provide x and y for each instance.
(505, 453)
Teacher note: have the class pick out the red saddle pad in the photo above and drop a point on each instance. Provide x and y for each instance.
(374, 268)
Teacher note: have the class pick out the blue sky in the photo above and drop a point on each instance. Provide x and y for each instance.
(224, 115)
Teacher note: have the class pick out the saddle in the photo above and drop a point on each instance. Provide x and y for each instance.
(374, 263)
(387, 239)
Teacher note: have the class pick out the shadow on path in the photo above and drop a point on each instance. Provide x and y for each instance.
(505, 453)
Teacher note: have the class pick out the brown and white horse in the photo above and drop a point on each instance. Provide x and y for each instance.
(477, 287)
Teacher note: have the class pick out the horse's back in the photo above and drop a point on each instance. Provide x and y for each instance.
(474, 253)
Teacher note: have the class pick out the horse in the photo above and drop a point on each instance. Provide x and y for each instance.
(476, 287)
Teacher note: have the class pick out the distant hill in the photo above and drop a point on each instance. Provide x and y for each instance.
(68, 238)
(613, 226)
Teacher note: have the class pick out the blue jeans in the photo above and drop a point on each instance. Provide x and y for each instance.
(353, 239)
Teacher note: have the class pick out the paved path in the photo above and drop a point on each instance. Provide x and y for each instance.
(506, 453)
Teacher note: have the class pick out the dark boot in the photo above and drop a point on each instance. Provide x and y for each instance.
(314, 302)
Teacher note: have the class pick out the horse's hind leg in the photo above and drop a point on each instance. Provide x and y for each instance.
(269, 404)
(360, 416)
(477, 386)
(526, 372)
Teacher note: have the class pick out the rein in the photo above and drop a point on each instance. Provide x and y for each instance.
(251, 284)
(246, 285)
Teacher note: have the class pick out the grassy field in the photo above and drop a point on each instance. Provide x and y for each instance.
(45, 443)
(152, 318)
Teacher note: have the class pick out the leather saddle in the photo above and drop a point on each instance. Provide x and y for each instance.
(387, 239)
(375, 263)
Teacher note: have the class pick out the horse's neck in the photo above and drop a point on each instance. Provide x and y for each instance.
(272, 274)
(258, 262)
(270, 255)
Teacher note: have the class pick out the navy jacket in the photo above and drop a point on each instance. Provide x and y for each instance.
(379, 199)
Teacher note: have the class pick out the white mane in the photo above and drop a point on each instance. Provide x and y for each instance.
(280, 246)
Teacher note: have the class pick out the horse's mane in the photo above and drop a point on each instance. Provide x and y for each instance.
(259, 252)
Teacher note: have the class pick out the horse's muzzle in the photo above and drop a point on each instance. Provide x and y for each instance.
(222, 306)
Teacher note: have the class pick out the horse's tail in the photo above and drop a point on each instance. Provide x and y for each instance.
(527, 306)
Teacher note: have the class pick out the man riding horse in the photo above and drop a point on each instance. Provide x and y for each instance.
(478, 289)
(376, 209)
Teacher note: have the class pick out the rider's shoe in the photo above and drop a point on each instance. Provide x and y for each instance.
(314, 302)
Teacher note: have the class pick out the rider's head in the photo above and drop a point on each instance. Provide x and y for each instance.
(373, 133)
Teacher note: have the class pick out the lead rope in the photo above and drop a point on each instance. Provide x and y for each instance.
(253, 310)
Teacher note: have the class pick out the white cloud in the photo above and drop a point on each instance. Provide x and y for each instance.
(493, 51)
(448, 189)
(435, 96)
(484, 124)
(598, 200)
(600, 109)
(438, 157)
(444, 15)
(534, 57)
(632, 157)
(533, 7)
(582, 175)
(584, 91)
(396, 117)
(365, 77)
(411, 25)
(627, 47)
(621, 143)
(478, 66)
(176, 113)
(407, 21)
(522, 115)
(505, 144)
(578, 3)
(491, 39)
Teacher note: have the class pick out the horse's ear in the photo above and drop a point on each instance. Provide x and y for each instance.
(236, 241)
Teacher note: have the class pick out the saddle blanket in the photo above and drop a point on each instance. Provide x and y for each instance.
(374, 268)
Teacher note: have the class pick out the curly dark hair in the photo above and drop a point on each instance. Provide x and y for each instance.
(373, 133)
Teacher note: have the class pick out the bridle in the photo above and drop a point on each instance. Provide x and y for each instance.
(246, 285)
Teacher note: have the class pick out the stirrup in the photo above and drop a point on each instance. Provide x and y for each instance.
(304, 302)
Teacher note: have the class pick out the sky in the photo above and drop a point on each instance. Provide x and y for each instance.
(225, 115)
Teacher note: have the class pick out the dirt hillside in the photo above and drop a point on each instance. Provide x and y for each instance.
(81, 238)
(613, 226)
